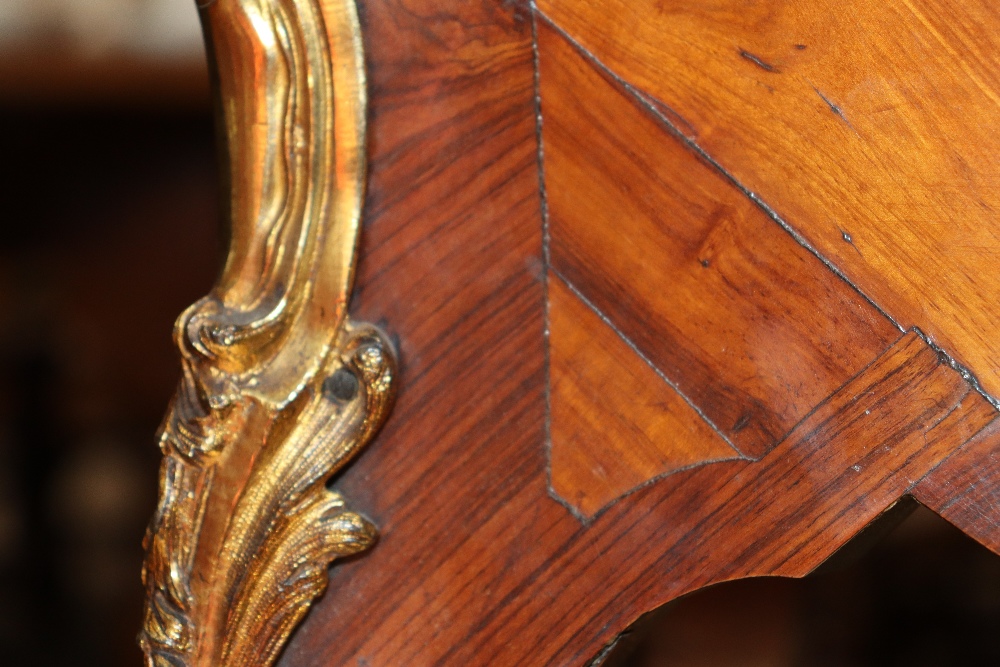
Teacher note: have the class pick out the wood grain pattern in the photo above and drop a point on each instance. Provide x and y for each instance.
(965, 488)
(688, 268)
(846, 463)
(450, 260)
(477, 563)
(867, 126)
(615, 423)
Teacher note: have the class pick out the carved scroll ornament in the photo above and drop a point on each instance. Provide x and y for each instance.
(280, 388)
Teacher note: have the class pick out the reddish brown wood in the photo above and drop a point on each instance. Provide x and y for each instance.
(867, 126)
(479, 564)
(965, 488)
(615, 422)
(687, 267)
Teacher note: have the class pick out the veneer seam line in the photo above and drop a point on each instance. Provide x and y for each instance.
(645, 101)
(546, 266)
(639, 353)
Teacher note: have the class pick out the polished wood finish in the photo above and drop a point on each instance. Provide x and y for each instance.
(965, 488)
(867, 126)
(543, 225)
(616, 423)
(685, 266)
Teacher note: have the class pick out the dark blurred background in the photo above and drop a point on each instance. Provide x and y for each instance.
(911, 592)
(110, 228)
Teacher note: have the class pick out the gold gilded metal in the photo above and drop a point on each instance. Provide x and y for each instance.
(279, 388)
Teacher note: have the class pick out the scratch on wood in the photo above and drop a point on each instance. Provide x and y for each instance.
(602, 657)
(849, 239)
(766, 66)
(692, 144)
(833, 107)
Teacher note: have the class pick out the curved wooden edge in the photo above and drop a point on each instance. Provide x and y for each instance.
(479, 564)
(965, 488)
(281, 388)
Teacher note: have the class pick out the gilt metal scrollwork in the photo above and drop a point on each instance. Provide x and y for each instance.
(280, 388)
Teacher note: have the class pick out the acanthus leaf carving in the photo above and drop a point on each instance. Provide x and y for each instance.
(280, 388)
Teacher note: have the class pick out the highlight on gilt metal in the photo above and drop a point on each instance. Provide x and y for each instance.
(280, 388)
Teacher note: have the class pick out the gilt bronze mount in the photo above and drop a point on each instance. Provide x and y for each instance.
(280, 388)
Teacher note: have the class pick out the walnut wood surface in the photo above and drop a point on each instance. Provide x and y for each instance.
(867, 126)
(615, 422)
(686, 266)
(965, 488)
(497, 264)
